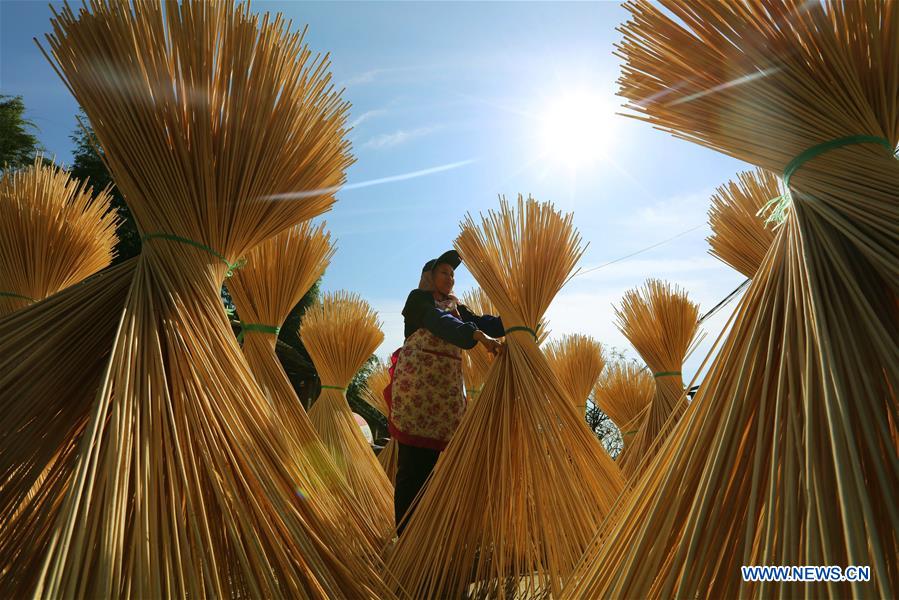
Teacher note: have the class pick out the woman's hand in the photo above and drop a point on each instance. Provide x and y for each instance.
(493, 345)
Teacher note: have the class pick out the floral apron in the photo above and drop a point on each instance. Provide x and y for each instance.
(425, 401)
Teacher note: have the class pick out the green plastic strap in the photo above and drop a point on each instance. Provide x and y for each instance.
(666, 373)
(333, 387)
(780, 203)
(260, 327)
(14, 295)
(814, 151)
(176, 238)
(631, 432)
(521, 328)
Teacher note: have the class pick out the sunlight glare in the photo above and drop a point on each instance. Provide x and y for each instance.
(577, 129)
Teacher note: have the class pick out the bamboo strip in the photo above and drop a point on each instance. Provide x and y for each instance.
(204, 112)
(54, 232)
(785, 456)
(373, 393)
(577, 361)
(661, 323)
(278, 273)
(623, 392)
(522, 484)
(740, 237)
(340, 334)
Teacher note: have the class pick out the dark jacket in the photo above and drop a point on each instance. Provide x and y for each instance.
(421, 311)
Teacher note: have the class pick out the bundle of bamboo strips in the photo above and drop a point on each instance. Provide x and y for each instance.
(623, 392)
(340, 334)
(476, 362)
(205, 113)
(377, 382)
(523, 484)
(661, 324)
(52, 357)
(577, 361)
(785, 456)
(277, 274)
(373, 393)
(740, 235)
(53, 233)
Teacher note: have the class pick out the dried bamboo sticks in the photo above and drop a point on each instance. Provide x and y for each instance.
(53, 233)
(340, 334)
(785, 456)
(522, 484)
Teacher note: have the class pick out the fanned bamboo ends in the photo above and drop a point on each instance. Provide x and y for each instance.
(389, 458)
(740, 235)
(577, 361)
(523, 484)
(52, 358)
(661, 324)
(53, 233)
(785, 456)
(623, 392)
(476, 362)
(277, 273)
(373, 393)
(207, 115)
(340, 334)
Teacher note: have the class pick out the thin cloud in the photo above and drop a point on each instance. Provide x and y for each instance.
(391, 140)
(377, 74)
(368, 183)
(366, 77)
(662, 218)
(366, 116)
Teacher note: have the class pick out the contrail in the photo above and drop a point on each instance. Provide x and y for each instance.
(370, 182)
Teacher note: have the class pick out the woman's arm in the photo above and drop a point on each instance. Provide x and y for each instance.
(492, 326)
(420, 311)
(447, 327)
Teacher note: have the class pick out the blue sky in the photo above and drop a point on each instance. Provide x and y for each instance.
(469, 84)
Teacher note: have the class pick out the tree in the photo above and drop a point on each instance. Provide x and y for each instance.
(88, 164)
(604, 429)
(292, 353)
(17, 145)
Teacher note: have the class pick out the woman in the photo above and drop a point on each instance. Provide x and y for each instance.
(425, 401)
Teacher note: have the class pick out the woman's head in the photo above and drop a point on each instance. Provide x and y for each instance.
(438, 273)
(443, 278)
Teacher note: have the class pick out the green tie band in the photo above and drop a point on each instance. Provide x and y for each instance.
(260, 327)
(666, 374)
(333, 387)
(521, 328)
(17, 296)
(175, 238)
(781, 202)
(820, 149)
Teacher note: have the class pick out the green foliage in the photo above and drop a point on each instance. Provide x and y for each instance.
(296, 361)
(604, 429)
(17, 145)
(88, 164)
